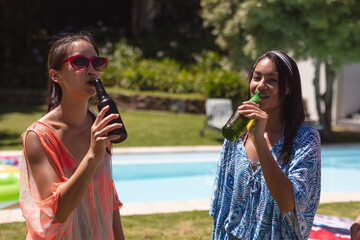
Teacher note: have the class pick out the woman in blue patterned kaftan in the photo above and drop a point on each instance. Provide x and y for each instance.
(267, 184)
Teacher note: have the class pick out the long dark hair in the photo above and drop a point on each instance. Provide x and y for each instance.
(292, 104)
(57, 54)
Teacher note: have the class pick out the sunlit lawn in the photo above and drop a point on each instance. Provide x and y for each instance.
(196, 225)
(144, 128)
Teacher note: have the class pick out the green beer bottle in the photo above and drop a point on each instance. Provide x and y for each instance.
(237, 123)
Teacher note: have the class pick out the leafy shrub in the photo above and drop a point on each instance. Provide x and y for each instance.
(121, 60)
(127, 68)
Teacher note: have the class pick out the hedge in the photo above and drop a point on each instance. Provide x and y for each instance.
(127, 68)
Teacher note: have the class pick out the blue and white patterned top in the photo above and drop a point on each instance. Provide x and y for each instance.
(242, 206)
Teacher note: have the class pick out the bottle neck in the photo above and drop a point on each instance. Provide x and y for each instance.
(256, 97)
(100, 90)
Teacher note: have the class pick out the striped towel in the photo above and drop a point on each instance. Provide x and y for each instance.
(330, 228)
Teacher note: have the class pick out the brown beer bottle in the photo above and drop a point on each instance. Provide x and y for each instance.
(105, 100)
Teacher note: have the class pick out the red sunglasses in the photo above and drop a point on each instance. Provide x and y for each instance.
(81, 63)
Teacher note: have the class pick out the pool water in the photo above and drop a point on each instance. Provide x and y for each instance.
(158, 177)
(164, 177)
(340, 169)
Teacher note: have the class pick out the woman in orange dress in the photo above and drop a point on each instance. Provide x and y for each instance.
(66, 186)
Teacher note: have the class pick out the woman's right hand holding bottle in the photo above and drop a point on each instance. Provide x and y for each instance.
(99, 133)
(251, 110)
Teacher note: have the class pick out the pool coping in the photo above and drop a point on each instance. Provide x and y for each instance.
(166, 149)
(160, 149)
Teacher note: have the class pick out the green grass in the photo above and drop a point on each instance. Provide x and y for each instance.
(347, 209)
(166, 129)
(14, 119)
(196, 225)
(342, 135)
(144, 128)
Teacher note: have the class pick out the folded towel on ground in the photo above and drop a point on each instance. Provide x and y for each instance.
(330, 228)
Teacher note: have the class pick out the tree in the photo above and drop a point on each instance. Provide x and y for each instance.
(332, 40)
(143, 14)
(327, 31)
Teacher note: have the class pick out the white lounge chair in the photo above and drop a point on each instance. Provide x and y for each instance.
(218, 111)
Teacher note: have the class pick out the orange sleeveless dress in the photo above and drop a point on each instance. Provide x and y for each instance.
(91, 219)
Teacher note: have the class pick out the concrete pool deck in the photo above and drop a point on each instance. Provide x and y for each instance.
(14, 215)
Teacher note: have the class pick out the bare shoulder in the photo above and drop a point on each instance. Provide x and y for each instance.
(40, 165)
(33, 148)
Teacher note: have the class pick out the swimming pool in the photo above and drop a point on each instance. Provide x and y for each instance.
(340, 168)
(181, 176)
